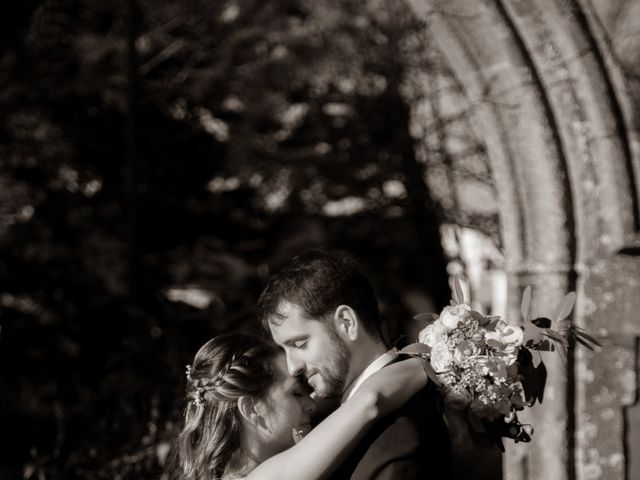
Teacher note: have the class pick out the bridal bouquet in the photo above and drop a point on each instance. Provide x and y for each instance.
(485, 365)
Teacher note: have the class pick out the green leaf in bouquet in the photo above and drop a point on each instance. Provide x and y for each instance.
(563, 310)
(482, 320)
(544, 345)
(542, 322)
(432, 374)
(555, 336)
(532, 334)
(534, 380)
(523, 436)
(526, 303)
(562, 351)
(494, 344)
(416, 349)
(583, 338)
(561, 343)
(525, 358)
(458, 295)
(497, 368)
(563, 327)
(426, 317)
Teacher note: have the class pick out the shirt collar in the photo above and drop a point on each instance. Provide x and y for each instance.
(380, 362)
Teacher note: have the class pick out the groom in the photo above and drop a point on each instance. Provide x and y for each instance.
(321, 309)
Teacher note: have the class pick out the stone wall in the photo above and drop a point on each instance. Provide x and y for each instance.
(550, 87)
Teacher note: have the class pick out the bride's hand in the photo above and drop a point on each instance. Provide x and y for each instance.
(392, 386)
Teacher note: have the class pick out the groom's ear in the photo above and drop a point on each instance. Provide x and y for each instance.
(347, 322)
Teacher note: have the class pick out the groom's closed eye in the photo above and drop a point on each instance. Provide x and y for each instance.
(297, 342)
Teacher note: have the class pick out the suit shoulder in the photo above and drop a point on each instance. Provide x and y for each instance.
(405, 431)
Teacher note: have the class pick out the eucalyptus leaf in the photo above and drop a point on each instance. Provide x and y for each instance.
(555, 336)
(580, 332)
(584, 343)
(565, 306)
(432, 374)
(416, 349)
(562, 352)
(426, 317)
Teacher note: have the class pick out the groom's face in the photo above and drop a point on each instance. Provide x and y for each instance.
(313, 348)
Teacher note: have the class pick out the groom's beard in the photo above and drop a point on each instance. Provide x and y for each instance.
(334, 376)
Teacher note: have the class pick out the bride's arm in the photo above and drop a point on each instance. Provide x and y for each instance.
(317, 455)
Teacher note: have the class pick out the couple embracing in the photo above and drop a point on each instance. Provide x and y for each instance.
(250, 401)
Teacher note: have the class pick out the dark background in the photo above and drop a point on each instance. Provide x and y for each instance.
(158, 160)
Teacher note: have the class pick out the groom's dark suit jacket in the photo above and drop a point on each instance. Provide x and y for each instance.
(409, 444)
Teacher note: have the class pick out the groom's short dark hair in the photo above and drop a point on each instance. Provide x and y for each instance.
(318, 282)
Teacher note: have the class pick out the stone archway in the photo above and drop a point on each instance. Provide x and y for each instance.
(561, 132)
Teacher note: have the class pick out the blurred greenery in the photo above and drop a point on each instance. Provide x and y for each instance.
(158, 160)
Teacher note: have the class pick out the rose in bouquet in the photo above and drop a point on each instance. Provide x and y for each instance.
(484, 364)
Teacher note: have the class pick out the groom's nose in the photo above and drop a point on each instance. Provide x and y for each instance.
(294, 365)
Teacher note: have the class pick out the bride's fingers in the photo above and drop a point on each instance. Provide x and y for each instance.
(300, 432)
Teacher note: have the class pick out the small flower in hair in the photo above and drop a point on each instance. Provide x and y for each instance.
(198, 396)
(189, 373)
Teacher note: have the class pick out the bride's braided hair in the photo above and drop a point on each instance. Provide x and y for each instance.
(224, 369)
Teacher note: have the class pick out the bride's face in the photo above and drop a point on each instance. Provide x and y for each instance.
(288, 405)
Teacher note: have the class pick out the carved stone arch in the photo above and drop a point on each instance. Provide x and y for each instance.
(561, 134)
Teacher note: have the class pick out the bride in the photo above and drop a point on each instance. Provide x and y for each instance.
(245, 413)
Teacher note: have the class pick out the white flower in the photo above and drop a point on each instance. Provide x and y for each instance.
(482, 365)
(451, 316)
(465, 351)
(495, 334)
(505, 334)
(509, 355)
(432, 334)
(512, 335)
(441, 358)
